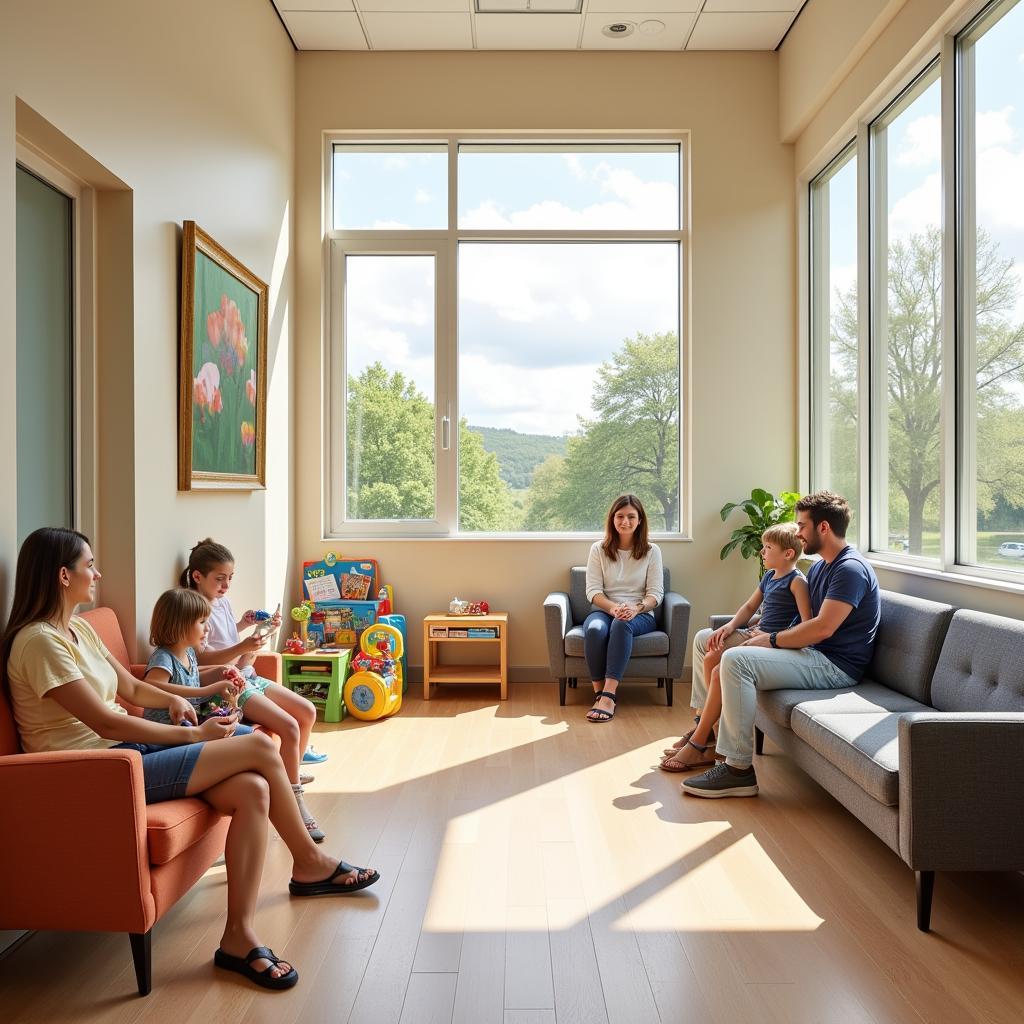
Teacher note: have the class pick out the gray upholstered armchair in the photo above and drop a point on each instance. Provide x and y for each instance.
(657, 655)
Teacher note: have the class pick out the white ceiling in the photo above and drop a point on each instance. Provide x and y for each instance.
(456, 24)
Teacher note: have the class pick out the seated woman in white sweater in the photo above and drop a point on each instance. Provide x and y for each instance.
(625, 583)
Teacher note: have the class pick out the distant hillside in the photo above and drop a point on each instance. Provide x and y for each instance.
(519, 454)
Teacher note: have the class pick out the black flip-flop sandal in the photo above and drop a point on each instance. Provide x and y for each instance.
(243, 966)
(606, 716)
(326, 886)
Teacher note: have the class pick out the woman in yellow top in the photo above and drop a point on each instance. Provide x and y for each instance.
(63, 683)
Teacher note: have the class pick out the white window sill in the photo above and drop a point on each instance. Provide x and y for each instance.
(964, 578)
(656, 538)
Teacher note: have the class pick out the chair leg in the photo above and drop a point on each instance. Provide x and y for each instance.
(758, 740)
(661, 684)
(668, 691)
(574, 682)
(561, 690)
(925, 886)
(142, 954)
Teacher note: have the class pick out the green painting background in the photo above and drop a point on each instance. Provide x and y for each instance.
(216, 437)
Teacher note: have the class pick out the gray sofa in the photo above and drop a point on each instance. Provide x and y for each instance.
(657, 655)
(928, 750)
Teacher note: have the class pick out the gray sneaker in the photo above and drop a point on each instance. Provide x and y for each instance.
(721, 781)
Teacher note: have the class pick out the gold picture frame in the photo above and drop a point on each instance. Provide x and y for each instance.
(222, 370)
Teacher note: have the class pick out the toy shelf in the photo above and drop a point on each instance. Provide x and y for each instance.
(435, 672)
(300, 672)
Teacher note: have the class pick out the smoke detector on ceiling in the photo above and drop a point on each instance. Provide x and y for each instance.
(618, 29)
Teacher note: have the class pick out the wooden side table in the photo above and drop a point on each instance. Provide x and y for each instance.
(441, 625)
(320, 678)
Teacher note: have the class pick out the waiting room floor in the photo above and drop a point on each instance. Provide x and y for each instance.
(539, 869)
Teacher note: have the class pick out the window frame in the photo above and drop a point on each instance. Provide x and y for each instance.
(958, 512)
(445, 244)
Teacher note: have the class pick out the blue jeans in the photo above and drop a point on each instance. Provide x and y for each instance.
(608, 643)
(745, 670)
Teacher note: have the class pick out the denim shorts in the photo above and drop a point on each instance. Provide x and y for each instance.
(166, 770)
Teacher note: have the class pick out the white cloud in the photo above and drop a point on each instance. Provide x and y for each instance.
(921, 144)
(993, 128)
(842, 277)
(919, 209)
(422, 196)
(999, 174)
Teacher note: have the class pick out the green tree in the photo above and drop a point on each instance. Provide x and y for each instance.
(390, 457)
(914, 377)
(631, 444)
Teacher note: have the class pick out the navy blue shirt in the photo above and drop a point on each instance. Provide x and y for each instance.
(778, 605)
(848, 578)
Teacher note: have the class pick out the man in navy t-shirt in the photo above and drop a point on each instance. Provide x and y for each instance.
(828, 651)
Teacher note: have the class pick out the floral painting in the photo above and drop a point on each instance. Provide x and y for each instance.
(223, 368)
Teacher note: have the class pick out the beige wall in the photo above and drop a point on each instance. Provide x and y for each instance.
(742, 284)
(190, 105)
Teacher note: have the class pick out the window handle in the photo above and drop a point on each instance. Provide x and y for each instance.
(446, 429)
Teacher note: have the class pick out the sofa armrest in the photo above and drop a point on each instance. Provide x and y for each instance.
(557, 622)
(718, 621)
(74, 856)
(958, 772)
(676, 613)
(268, 666)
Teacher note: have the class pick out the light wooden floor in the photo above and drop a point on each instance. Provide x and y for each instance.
(538, 869)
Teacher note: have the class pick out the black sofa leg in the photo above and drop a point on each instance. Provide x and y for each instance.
(668, 691)
(561, 690)
(574, 683)
(142, 954)
(925, 887)
(758, 740)
(661, 684)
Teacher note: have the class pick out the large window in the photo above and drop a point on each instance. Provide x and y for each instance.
(939, 221)
(835, 338)
(505, 335)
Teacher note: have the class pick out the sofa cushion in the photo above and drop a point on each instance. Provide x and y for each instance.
(174, 825)
(980, 667)
(868, 697)
(907, 646)
(650, 645)
(865, 748)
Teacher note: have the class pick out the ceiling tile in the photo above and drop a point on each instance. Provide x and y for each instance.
(404, 31)
(622, 7)
(416, 6)
(760, 6)
(527, 32)
(314, 5)
(671, 37)
(739, 31)
(319, 30)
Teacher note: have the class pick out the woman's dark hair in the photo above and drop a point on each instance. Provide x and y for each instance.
(641, 545)
(37, 590)
(204, 558)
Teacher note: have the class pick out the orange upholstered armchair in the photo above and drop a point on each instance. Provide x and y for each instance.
(131, 862)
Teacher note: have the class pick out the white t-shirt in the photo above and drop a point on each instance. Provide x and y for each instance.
(626, 580)
(224, 630)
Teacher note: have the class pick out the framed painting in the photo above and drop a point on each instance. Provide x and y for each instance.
(222, 390)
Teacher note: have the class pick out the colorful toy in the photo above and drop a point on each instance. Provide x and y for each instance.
(264, 621)
(227, 707)
(375, 690)
(295, 644)
(459, 607)
(301, 615)
(398, 622)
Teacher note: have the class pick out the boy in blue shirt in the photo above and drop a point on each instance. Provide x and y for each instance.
(830, 650)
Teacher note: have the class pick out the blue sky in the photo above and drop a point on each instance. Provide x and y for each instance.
(535, 321)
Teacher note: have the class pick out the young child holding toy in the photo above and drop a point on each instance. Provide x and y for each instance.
(211, 568)
(177, 628)
(783, 597)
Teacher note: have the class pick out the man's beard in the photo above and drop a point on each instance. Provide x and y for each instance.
(813, 546)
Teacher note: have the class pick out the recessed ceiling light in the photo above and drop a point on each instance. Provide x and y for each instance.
(618, 29)
(651, 27)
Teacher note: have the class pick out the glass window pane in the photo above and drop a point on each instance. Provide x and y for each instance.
(568, 383)
(835, 342)
(907, 264)
(44, 355)
(390, 187)
(627, 188)
(992, 251)
(389, 359)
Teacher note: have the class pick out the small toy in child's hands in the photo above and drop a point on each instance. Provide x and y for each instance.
(459, 607)
(263, 621)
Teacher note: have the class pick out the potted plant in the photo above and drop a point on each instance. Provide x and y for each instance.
(763, 510)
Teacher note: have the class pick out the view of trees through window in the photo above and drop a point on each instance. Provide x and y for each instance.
(567, 358)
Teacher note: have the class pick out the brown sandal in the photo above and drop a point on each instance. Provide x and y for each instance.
(685, 738)
(702, 758)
